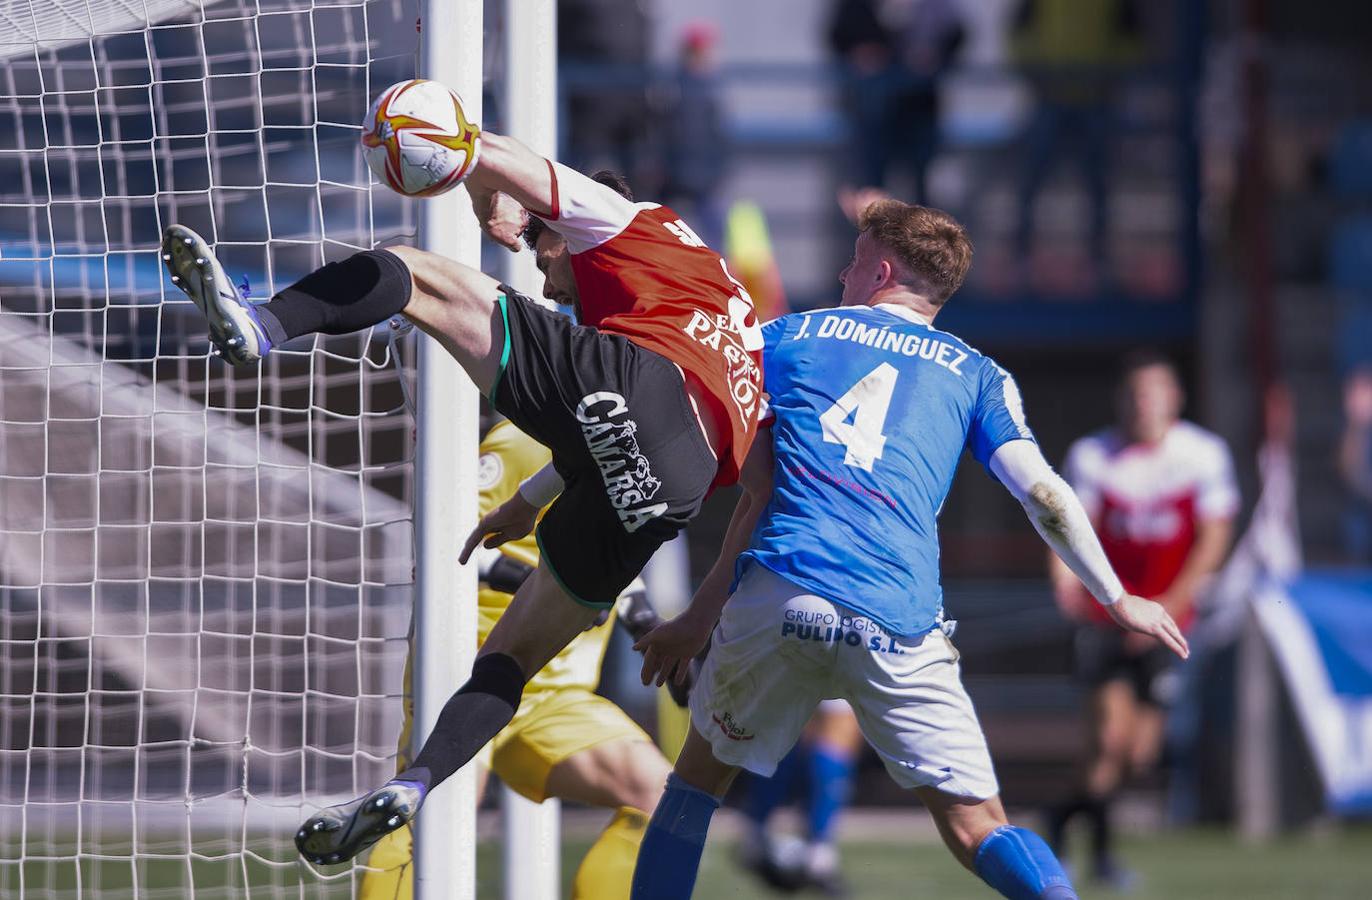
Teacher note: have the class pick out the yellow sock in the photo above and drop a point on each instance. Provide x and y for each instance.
(607, 871)
(389, 875)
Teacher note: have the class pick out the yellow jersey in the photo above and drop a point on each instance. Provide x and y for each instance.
(508, 456)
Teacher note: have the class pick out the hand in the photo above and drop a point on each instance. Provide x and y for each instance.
(669, 648)
(502, 218)
(1136, 643)
(509, 521)
(1143, 616)
(639, 618)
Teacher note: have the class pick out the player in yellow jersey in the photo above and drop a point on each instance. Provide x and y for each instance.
(566, 740)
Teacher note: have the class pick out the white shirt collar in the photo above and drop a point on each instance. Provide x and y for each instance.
(904, 312)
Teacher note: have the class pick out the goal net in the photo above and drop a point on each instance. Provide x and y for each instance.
(205, 575)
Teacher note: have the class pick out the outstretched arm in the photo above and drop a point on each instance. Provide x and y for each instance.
(1057, 515)
(671, 646)
(507, 170)
(1061, 521)
(517, 516)
(580, 209)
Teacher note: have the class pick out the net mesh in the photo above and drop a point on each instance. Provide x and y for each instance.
(205, 574)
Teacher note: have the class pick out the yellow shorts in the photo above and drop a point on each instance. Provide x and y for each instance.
(549, 727)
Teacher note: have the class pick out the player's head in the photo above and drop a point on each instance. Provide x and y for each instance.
(550, 250)
(906, 249)
(1150, 395)
(698, 42)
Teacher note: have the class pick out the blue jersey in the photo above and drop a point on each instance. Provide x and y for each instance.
(872, 410)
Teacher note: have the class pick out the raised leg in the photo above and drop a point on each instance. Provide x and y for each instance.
(539, 622)
(458, 307)
(453, 303)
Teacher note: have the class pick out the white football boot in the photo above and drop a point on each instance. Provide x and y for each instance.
(236, 332)
(339, 833)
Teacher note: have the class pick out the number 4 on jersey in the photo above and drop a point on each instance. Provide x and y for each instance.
(866, 404)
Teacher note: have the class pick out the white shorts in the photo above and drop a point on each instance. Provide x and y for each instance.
(779, 651)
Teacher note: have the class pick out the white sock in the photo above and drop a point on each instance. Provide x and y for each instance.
(821, 858)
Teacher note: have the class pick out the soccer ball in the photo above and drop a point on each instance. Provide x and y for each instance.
(417, 139)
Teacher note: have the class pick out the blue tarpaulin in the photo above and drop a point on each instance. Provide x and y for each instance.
(1320, 630)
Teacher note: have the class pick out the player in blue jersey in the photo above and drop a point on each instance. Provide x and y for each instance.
(836, 589)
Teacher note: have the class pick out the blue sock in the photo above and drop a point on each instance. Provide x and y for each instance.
(831, 784)
(1019, 865)
(766, 794)
(669, 857)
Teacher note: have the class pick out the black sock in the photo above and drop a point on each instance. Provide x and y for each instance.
(363, 290)
(1102, 836)
(471, 717)
(1060, 817)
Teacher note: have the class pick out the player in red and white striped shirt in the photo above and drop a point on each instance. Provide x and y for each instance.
(1162, 496)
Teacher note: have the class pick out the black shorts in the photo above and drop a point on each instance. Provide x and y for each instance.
(623, 436)
(1101, 658)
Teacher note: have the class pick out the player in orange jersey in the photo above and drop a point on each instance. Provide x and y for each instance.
(646, 406)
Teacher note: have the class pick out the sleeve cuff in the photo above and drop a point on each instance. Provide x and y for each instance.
(542, 487)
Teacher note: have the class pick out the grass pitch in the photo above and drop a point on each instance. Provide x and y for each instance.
(1178, 866)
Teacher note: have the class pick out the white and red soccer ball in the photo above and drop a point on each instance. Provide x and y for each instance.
(417, 140)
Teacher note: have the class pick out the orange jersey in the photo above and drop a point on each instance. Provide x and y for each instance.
(643, 273)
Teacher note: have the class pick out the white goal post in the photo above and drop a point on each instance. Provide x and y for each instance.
(531, 831)
(445, 607)
(206, 575)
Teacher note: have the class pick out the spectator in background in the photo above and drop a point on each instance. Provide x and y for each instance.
(602, 49)
(892, 57)
(864, 49)
(1162, 496)
(1355, 463)
(693, 140)
(1071, 52)
(929, 36)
